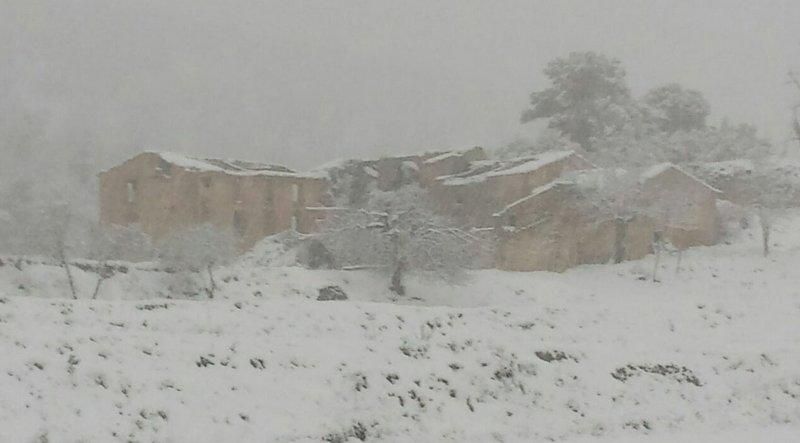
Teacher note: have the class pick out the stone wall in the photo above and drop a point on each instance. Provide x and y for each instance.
(685, 209)
(474, 201)
(163, 198)
(559, 228)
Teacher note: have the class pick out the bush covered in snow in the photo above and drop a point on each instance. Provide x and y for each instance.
(398, 232)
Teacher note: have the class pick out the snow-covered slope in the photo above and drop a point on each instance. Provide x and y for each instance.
(597, 354)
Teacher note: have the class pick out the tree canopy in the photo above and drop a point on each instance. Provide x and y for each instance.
(672, 108)
(588, 97)
(589, 103)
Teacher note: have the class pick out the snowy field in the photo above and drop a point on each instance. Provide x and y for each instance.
(597, 354)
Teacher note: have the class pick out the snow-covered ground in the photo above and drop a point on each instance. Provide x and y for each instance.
(596, 354)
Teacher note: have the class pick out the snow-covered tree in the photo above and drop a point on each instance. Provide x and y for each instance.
(116, 242)
(615, 192)
(629, 149)
(766, 192)
(727, 142)
(588, 102)
(198, 249)
(46, 231)
(588, 98)
(672, 108)
(398, 233)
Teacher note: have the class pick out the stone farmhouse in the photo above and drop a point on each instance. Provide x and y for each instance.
(564, 224)
(558, 226)
(474, 195)
(165, 192)
(351, 180)
(543, 210)
(448, 163)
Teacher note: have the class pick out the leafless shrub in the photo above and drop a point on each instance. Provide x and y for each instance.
(195, 250)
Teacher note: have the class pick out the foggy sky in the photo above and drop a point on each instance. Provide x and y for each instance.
(304, 82)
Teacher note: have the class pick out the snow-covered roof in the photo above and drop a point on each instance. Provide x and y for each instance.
(533, 163)
(232, 167)
(443, 156)
(656, 170)
(324, 170)
(523, 165)
(477, 172)
(410, 165)
(535, 193)
(372, 172)
(427, 157)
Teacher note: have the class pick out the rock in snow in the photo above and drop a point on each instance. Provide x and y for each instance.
(329, 293)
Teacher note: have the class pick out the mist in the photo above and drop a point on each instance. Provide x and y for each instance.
(301, 83)
(408, 221)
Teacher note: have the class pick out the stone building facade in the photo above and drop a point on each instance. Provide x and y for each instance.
(684, 207)
(352, 180)
(543, 215)
(563, 223)
(558, 227)
(164, 192)
(473, 196)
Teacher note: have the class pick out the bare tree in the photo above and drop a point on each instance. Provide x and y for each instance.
(619, 194)
(765, 191)
(45, 231)
(614, 192)
(198, 249)
(116, 242)
(768, 195)
(398, 233)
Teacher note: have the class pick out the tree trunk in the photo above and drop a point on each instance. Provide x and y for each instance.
(620, 229)
(655, 266)
(63, 258)
(766, 227)
(397, 279)
(213, 284)
(657, 250)
(97, 287)
(103, 272)
(400, 267)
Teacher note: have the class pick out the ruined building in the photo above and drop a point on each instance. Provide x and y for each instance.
(473, 196)
(165, 192)
(582, 219)
(550, 211)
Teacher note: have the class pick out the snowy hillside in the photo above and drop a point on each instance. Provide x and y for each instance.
(597, 354)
